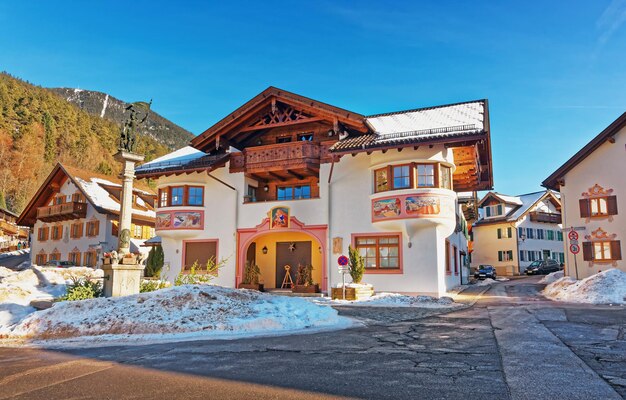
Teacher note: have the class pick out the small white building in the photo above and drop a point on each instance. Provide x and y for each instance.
(593, 191)
(75, 213)
(287, 180)
(513, 231)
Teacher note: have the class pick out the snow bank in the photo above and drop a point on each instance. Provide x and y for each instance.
(177, 313)
(392, 300)
(552, 277)
(607, 287)
(484, 282)
(19, 288)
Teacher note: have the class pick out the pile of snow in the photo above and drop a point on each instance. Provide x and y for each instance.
(392, 300)
(177, 313)
(552, 277)
(607, 287)
(19, 288)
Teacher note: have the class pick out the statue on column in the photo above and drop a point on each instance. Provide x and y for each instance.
(128, 136)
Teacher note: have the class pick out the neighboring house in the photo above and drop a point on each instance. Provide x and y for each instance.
(513, 231)
(12, 236)
(287, 180)
(593, 192)
(75, 213)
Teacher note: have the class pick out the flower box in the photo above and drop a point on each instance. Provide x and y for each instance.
(306, 288)
(353, 292)
(252, 286)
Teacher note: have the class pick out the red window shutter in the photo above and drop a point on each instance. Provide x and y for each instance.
(585, 208)
(611, 203)
(587, 251)
(616, 251)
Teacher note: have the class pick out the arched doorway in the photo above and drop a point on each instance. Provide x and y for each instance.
(271, 248)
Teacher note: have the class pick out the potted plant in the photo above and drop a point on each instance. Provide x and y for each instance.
(106, 258)
(355, 290)
(304, 280)
(251, 277)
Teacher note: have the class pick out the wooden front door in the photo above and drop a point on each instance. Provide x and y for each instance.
(292, 254)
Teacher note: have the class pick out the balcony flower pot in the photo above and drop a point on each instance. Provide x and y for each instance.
(252, 286)
(306, 288)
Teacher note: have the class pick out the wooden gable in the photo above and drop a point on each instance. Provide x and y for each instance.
(271, 109)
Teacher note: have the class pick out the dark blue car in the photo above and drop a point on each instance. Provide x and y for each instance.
(485, 271)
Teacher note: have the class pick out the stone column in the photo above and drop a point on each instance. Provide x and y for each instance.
(122, 274)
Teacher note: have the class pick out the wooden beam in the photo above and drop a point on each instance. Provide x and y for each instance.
(275, 175)
(280, 124)
(297, 176)
(258, 178)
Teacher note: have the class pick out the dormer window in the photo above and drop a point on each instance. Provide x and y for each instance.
(493, 211)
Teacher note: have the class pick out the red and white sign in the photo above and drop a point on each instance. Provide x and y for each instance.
(574, 248)
(343, 261)
(572, 235)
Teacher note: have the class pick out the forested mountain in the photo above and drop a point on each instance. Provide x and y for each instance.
(38, 128)
(108, 107)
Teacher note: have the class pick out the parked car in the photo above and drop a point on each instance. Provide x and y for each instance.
(485, 271)
(543, 267)
(60, 264)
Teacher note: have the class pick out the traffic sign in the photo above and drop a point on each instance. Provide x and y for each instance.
(343, 261)
(572, 235)
(574, 248)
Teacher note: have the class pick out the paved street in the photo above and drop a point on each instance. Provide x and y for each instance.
(512, 344)
(13, 261)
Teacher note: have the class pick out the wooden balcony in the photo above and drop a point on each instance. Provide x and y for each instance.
(8, 228)
(62, 212)
(292, 156)
(539, 216)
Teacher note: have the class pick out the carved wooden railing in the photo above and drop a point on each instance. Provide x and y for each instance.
(539, 216)
(277, 157)
(59, 212)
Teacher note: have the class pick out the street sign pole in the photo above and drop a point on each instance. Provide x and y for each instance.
(574, 247)
(343, 268)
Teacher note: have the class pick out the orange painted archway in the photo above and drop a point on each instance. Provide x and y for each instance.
(246, 236)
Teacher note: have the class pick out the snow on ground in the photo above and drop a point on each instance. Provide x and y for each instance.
(177, 313)
(607, 287)
(391, 300)
(484, 282)
(19, 288)
(552, 277)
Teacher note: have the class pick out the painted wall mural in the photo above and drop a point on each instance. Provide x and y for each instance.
(180, 220)
(279, 217)
(412, 206)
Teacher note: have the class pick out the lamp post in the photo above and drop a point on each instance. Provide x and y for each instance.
(123, 271)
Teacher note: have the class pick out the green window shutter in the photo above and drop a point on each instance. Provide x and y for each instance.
(508, 232)
(499, 209)
(510, 253)
(500, 256)
(499, 233)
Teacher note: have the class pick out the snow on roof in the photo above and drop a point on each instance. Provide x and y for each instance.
(101, 198)
(455, 117)
(527, 201)
(509, 199)
(424, 124)
(176, 158)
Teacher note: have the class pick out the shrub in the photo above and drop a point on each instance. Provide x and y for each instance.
(154, 263)
(198, 274)
(251, 274)
(82, 289)
(150, 285)
(304, 275)
(356, 265)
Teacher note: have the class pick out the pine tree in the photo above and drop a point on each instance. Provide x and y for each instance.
(154, 263)
(356, 265)
(50, 140)
(3, 203)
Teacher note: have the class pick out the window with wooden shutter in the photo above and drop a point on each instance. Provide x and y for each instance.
(611, 205)
(616, 250)
(584, 205)
(587, 251)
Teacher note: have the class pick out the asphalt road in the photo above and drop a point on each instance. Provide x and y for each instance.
(13, 261)
(512, 344)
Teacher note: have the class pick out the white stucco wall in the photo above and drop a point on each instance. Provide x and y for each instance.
(606, 167)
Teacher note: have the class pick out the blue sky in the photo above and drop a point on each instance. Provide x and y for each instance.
(553, 71)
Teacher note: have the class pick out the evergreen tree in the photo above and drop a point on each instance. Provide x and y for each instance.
(356, 265)
(155, 261)
(50, 140)
(3, 203)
